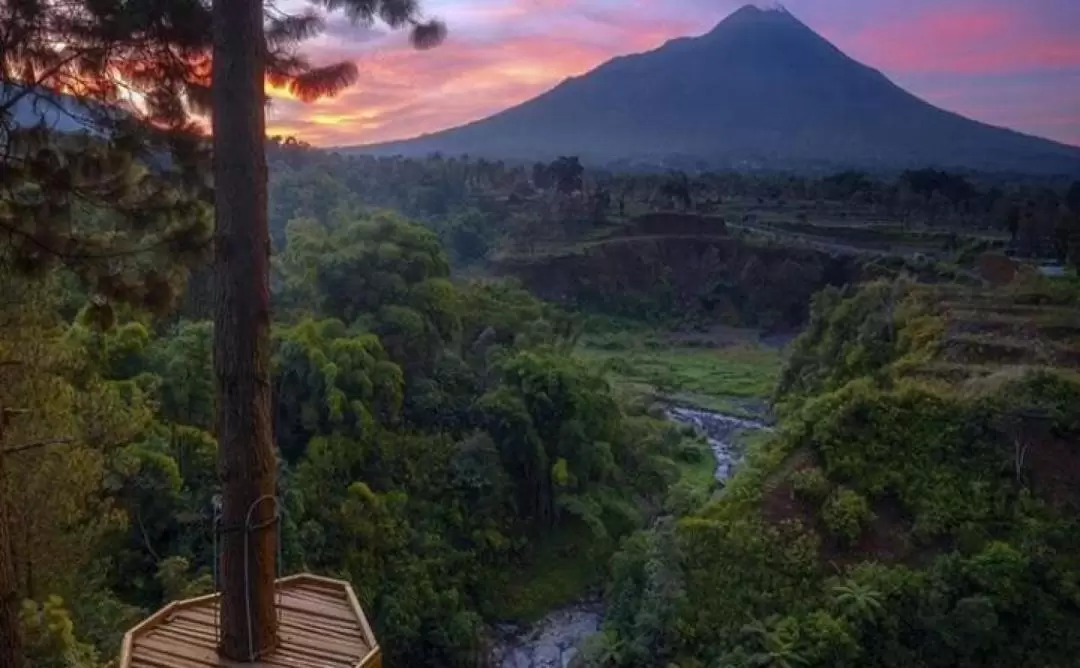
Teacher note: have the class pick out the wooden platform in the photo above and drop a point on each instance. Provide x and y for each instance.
(321, 626)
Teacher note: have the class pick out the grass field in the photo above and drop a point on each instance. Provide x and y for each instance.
(681, 368)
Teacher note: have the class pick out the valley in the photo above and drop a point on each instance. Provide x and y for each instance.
(556, 639)
(727, 354)
(549, 427)
(866, 328)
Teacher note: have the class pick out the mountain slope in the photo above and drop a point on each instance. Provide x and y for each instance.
(760, 89)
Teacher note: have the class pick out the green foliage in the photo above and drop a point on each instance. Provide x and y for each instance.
(467, 238)
(552, 575)
(381, 273)
(330, 379)
(940, 455)
(985, 539)
(846, 513)
(856, 602)
(551, 418)
(177, 584)
(856, 334)
(182, 360)
(811, 484)
(450, 449)
(49, 634)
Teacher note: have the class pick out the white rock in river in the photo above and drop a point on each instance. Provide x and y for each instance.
(552, 642)
(721, 431)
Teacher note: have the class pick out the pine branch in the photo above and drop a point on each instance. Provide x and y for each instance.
(324, 81)
(82, 257)
(33, 445)
(288, 30)
(427, 35)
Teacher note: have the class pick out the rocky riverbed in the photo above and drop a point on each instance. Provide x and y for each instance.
(553, 641)
(721, 431)
(550, 643)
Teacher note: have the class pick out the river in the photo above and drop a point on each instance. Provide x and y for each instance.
(553, 641)
(722, 432)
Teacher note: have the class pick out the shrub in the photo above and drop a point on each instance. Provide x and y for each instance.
(846, 513)
(810, 484)
(686, 497)
(693, 451)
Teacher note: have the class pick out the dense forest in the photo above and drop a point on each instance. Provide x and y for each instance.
(472, 368)
(439, 436)
(481, 208)
(429, 433)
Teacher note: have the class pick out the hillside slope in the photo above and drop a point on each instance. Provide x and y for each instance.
(916, 508)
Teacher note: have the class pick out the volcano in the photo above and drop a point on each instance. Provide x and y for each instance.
(761, 89)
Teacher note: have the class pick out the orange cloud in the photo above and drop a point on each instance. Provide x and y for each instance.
(403, 93)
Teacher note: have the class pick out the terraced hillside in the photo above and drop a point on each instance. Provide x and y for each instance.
(993, 331)
(987, 355)
(916, 506)
(697, 267)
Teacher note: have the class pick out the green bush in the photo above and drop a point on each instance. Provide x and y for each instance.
(846, 513)
(693, 450)
(810, 484)
(685, 497)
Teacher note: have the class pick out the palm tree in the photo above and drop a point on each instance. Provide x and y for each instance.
(857, 602)
(776, 644)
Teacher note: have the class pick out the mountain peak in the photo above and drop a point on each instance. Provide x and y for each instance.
(750, 20)
(762, 88)
(760, 12)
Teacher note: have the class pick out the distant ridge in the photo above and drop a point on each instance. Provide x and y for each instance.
(759, 90)
(59, 114)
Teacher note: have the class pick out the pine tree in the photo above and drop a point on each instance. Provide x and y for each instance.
(102, 173)
(242, 260)
(242, 335)
(120, 195)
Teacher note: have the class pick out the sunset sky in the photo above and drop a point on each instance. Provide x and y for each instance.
(1008, 62)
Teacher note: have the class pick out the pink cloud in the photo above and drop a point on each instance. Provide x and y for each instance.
(403, 92)
(967, 39)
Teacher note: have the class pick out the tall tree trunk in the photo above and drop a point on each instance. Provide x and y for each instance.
(11, 647)
(246, 461)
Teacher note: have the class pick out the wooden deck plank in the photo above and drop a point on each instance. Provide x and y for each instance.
(289, 620)
(345, 650)
(290, 602)
(343, 635)
(166, 654)
(320, 626)
(339, 652)
(320, 593)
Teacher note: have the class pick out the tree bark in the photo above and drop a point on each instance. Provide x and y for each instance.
(246, 460)
(11, 646)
